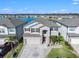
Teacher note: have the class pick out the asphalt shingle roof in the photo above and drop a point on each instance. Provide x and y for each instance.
(44, 22)
(70, 22)
(10, 22)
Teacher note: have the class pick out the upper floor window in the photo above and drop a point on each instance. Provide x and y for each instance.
(37, 30)
(71, 29)
(2, 30)
(27, 29)
(32, 29)
(11, 30)
(54, 29)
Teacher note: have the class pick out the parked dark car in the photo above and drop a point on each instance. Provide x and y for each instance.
(4, 49)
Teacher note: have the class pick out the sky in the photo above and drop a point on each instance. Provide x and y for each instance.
(39, 6)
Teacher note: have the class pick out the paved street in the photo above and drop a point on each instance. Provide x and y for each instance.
(34, 51)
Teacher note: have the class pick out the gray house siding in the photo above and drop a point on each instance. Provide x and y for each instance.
(19, 31)
(63, 31)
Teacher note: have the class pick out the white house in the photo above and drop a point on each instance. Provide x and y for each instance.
(69, 29)
(38, 31)
(10, 27)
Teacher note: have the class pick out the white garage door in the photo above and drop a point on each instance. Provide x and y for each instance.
(74, 40)
(32, 40)
(2, 41)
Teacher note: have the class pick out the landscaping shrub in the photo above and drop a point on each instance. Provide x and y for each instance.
(61, 38)
(56, 39)
(15, 54)
(53, 39)
(21, 40)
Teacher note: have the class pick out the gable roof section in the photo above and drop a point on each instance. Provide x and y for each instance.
(10, 22)
(44, 22)
(69, 22)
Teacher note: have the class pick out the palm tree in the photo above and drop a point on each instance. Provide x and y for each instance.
(56, 39)
(53, 39)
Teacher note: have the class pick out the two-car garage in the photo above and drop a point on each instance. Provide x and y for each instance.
(32, 39)
(75, 43)
(74, 40)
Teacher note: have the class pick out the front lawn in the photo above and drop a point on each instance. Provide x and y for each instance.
(64, 52)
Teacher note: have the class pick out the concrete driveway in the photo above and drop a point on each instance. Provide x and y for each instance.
(33, 51)
(76, 47)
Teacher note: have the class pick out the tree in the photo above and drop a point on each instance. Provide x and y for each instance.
(60, 38)
(53, 39)
(56, 39)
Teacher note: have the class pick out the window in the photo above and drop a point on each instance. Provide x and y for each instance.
(2, 30)
(37, 30)
(55, 29)
(11, 30)
(32, 29)
(27, 29)
(51, 29)
(71, 29)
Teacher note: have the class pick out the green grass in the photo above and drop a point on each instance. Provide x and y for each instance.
(9, 54)
(18, 48)
(64, 52)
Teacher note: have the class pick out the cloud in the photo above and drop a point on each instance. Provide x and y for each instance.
(5, 9)
(25, 8)
(76, 0)
(63, 9)
(75, 3)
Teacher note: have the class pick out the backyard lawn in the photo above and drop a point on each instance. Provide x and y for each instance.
(64, 52)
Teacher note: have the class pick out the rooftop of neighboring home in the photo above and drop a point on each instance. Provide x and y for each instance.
(70, 22)
(11, 22)
(44, 22)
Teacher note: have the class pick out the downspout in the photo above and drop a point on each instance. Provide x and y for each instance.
(49, 36)
(67, 34)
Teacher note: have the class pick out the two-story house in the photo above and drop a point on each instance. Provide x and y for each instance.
(38, 31)
(69, 30)
(10, 27)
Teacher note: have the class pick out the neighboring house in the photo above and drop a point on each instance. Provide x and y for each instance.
(38, 31)
(70, 30)
(10, 27)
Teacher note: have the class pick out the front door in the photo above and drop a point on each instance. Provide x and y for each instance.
(44, 32)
